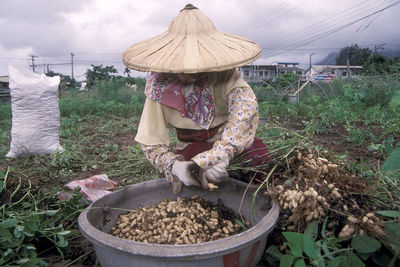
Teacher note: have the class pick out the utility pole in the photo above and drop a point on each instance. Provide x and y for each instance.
(33, 62)
(348, 65)
(72, 65)
(379, 47)
(310, 59)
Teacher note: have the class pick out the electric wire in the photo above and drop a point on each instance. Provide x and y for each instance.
(338, 17)
(329, 32)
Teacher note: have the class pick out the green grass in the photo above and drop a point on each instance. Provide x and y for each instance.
(97, 128)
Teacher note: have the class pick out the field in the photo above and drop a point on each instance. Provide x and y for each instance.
(352, 124)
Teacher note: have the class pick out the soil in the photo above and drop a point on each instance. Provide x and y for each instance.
(333, 140)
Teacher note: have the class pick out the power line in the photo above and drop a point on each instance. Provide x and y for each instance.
(249, 30)
(340, 16)
(259, 19)
(362, 27)
(324, 34)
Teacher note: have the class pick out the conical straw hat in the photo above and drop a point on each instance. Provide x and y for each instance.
(191, 44)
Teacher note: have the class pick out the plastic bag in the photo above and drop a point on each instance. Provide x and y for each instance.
(35, 113)
(94, 187)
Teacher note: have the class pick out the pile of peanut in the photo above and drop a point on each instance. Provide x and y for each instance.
(175, 222)
(321, 188)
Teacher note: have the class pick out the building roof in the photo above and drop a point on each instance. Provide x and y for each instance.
(294, 63)
(4, 79)
(335, 67)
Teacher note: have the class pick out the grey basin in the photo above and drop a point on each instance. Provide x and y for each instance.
(244, 249)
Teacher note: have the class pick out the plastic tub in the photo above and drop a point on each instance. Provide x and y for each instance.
(243, 249)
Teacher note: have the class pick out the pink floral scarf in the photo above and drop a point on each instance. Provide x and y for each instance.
(197, 104)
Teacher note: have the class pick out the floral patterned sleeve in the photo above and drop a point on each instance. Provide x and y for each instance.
(239, 131)
(162, 160)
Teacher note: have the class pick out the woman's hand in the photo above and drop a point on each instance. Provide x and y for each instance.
(215, 174)
(183, 171)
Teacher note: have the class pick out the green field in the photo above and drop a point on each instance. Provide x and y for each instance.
(353, 122)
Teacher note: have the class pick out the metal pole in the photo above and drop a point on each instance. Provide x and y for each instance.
(33, 62)
(310, 59)
(72, 65)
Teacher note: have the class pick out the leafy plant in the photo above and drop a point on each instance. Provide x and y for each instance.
(27, 222)
(306, 248)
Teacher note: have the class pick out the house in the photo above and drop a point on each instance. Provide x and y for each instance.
(258, 73)
(288, 67)
(4, 89)
(328, 72)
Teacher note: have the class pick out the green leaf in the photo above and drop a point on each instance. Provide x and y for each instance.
(393, 236)
(62, 243)
(8, 223)
(340, 261)
(395, 101)
(326, 250)
(392, 162)
(365, 244)
(310, 248)
(67, 232)
(32, 226)
(274, 251)
(364, 256)
(31, 263)
(286, 260)
(19, 228)
(323, 233)
(354, 260)
(51, 212)
(22, 261)
(295, 242)
(17, 234)
(300, 263)
(389, 213)
(5, 234)
(312, 230)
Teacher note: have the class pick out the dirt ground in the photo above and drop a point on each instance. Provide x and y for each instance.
(332, 139)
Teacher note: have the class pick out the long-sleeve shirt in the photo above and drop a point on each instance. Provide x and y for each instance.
(238, 134)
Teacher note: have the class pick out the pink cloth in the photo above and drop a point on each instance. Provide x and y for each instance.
(197, 104)
(94, 187)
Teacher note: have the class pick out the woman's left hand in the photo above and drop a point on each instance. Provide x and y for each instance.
(215, 174)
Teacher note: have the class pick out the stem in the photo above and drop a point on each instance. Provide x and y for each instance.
(80, 257)
(338, 251)
(5, 178)
(393, 260)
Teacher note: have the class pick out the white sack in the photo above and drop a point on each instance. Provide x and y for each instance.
(35, 113)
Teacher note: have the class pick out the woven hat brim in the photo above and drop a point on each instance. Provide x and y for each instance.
(178, 53)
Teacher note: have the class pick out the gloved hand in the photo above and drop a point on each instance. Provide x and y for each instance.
(182, 169)
(215, 174)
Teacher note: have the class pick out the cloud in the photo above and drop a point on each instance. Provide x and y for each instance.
(98, 31)
(14, 57)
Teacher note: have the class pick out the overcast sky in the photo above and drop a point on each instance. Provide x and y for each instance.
(98, 31)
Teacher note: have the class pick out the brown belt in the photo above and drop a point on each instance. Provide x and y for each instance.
(188, 135)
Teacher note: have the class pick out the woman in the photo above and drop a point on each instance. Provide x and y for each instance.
(194, 86)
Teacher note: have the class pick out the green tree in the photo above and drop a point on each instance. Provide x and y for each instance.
(356, 55)
(376, 64)
(127, 72)
(66, 82)
(99, 73)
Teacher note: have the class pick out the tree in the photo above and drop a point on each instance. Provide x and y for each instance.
(99, 73)
(66, 82)
(127, 72)
(356, 55)
(376, 64)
